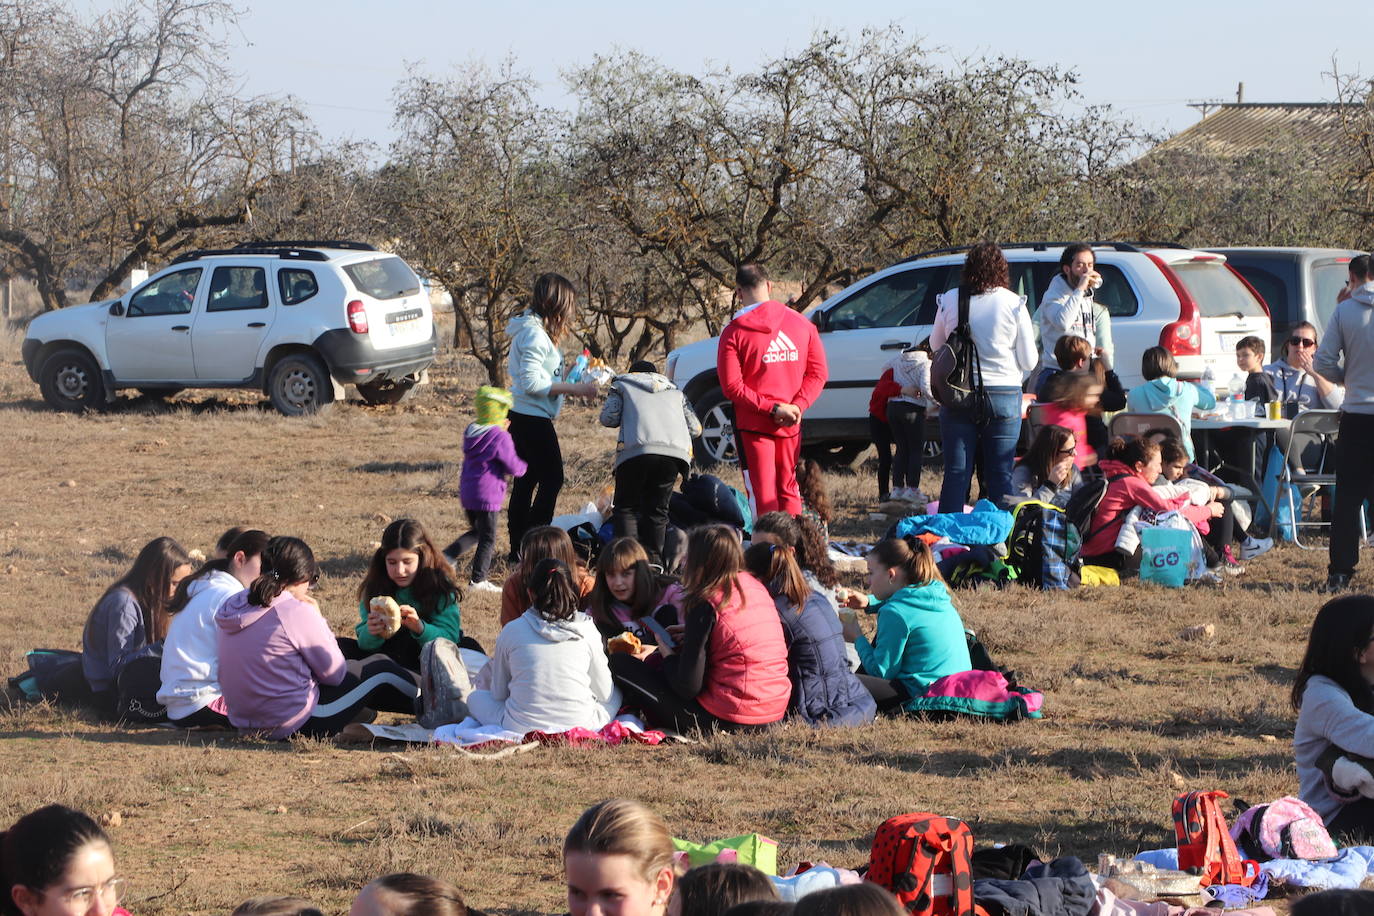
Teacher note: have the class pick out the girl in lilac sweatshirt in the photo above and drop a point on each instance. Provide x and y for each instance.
(280, 668)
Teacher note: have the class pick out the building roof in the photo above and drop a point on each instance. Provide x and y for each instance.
(1237, 128)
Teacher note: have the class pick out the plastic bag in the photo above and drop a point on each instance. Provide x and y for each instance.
(1164, 556)
(751, 849)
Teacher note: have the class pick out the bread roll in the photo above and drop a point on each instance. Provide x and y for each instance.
(385, 607)
(626, 642)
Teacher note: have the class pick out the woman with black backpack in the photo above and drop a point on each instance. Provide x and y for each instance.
(982, 312)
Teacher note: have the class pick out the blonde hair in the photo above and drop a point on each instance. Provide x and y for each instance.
(620, 827)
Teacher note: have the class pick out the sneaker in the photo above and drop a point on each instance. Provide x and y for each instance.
(490, 588)
(1210, 577)
(1229, 564)
(1337, 582)
(1253, 547)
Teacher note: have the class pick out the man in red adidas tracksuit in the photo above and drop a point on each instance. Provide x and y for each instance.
(772, 367)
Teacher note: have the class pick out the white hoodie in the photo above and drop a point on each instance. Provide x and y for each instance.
(190, 655)
(547, 676)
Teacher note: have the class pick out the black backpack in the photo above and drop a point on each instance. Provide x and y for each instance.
(1084, 502)
(956, 372)
(1042, 547)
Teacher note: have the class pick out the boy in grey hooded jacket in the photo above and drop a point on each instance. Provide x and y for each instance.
(657, 426)
(1351, 335)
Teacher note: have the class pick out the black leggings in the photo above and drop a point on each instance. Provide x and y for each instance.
(205, 717)
(908, 422)
(648, 689)
(1353, 823)
(881, 434)
(481, 534)
(534, 495)
(890, 696)
(375, 683)
(402, 648)
(1220, 532)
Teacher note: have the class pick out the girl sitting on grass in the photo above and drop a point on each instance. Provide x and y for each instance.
(548, 671)
(801, 536)
(408, 894)
(824, 690)
(190, 655)
(130, 620)
(920, 637)
(627, 589)
(1335, 706)
(1132, 470)
(280, 667)
(729, 669)
(1046, 472)
(618, 858)
(56, 861)
(543, 543)
(408, 568)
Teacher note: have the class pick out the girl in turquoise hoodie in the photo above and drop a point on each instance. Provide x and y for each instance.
(920, 637)
(1162, 393)
(537, 387)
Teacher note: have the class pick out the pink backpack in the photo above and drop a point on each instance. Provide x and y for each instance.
(1284, 829)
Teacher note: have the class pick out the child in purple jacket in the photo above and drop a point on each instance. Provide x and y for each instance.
(488, 459)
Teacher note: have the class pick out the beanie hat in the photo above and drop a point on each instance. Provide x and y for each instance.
(492, 405)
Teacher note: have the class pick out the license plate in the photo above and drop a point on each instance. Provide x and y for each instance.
(402, 327)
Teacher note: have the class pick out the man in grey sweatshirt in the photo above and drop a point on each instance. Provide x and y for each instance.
(1350, 335)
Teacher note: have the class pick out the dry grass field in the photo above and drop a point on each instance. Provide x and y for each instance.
(1134, 714)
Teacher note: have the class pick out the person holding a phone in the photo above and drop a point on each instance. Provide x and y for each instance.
(1069, 306)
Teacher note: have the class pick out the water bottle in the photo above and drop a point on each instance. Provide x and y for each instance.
(1209, 381)
(579, 366)
(1240, 408)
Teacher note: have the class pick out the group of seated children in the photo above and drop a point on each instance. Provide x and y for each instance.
(618, 857)
(742, 640)
(241, 642)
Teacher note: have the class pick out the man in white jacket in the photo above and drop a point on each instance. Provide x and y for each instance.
(1068, 307)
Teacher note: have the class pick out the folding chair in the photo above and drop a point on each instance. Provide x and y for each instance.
(1309, 426)
(1133, 425)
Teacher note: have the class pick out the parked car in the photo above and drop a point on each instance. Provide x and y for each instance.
(297, 319)
(1188, 301)
(1298, 284)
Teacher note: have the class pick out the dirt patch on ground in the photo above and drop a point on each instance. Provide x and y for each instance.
(1134, 714)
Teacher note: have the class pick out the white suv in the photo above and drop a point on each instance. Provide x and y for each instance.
(1189, 302)
(297, 319)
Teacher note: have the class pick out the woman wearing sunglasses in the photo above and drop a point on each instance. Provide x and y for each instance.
(1296, 381)
(57, 862)
(1047, 471)
(280, 668)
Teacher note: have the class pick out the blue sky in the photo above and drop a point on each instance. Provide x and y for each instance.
(343, 58)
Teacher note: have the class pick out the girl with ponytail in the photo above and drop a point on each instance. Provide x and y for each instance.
(280, 668)
(548, 670)
(920, 637)
(190, 655)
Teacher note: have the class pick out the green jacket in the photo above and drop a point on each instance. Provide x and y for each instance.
(920, 638)
(446, 623)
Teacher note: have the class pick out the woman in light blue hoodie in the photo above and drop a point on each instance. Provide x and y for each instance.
(1162, 393)
(536, 383)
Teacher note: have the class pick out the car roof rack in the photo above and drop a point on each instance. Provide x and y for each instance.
(1042, 246)
(294, 254)
(343, 244)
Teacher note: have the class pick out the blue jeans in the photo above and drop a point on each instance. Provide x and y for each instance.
(993, 440)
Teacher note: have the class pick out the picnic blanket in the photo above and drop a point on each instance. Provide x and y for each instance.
(472, 735)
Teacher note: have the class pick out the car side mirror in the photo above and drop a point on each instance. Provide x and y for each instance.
(117, 309)
(818, 319)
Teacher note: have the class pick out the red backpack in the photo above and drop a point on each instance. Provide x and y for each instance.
(926, 861)
(1205, 847)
